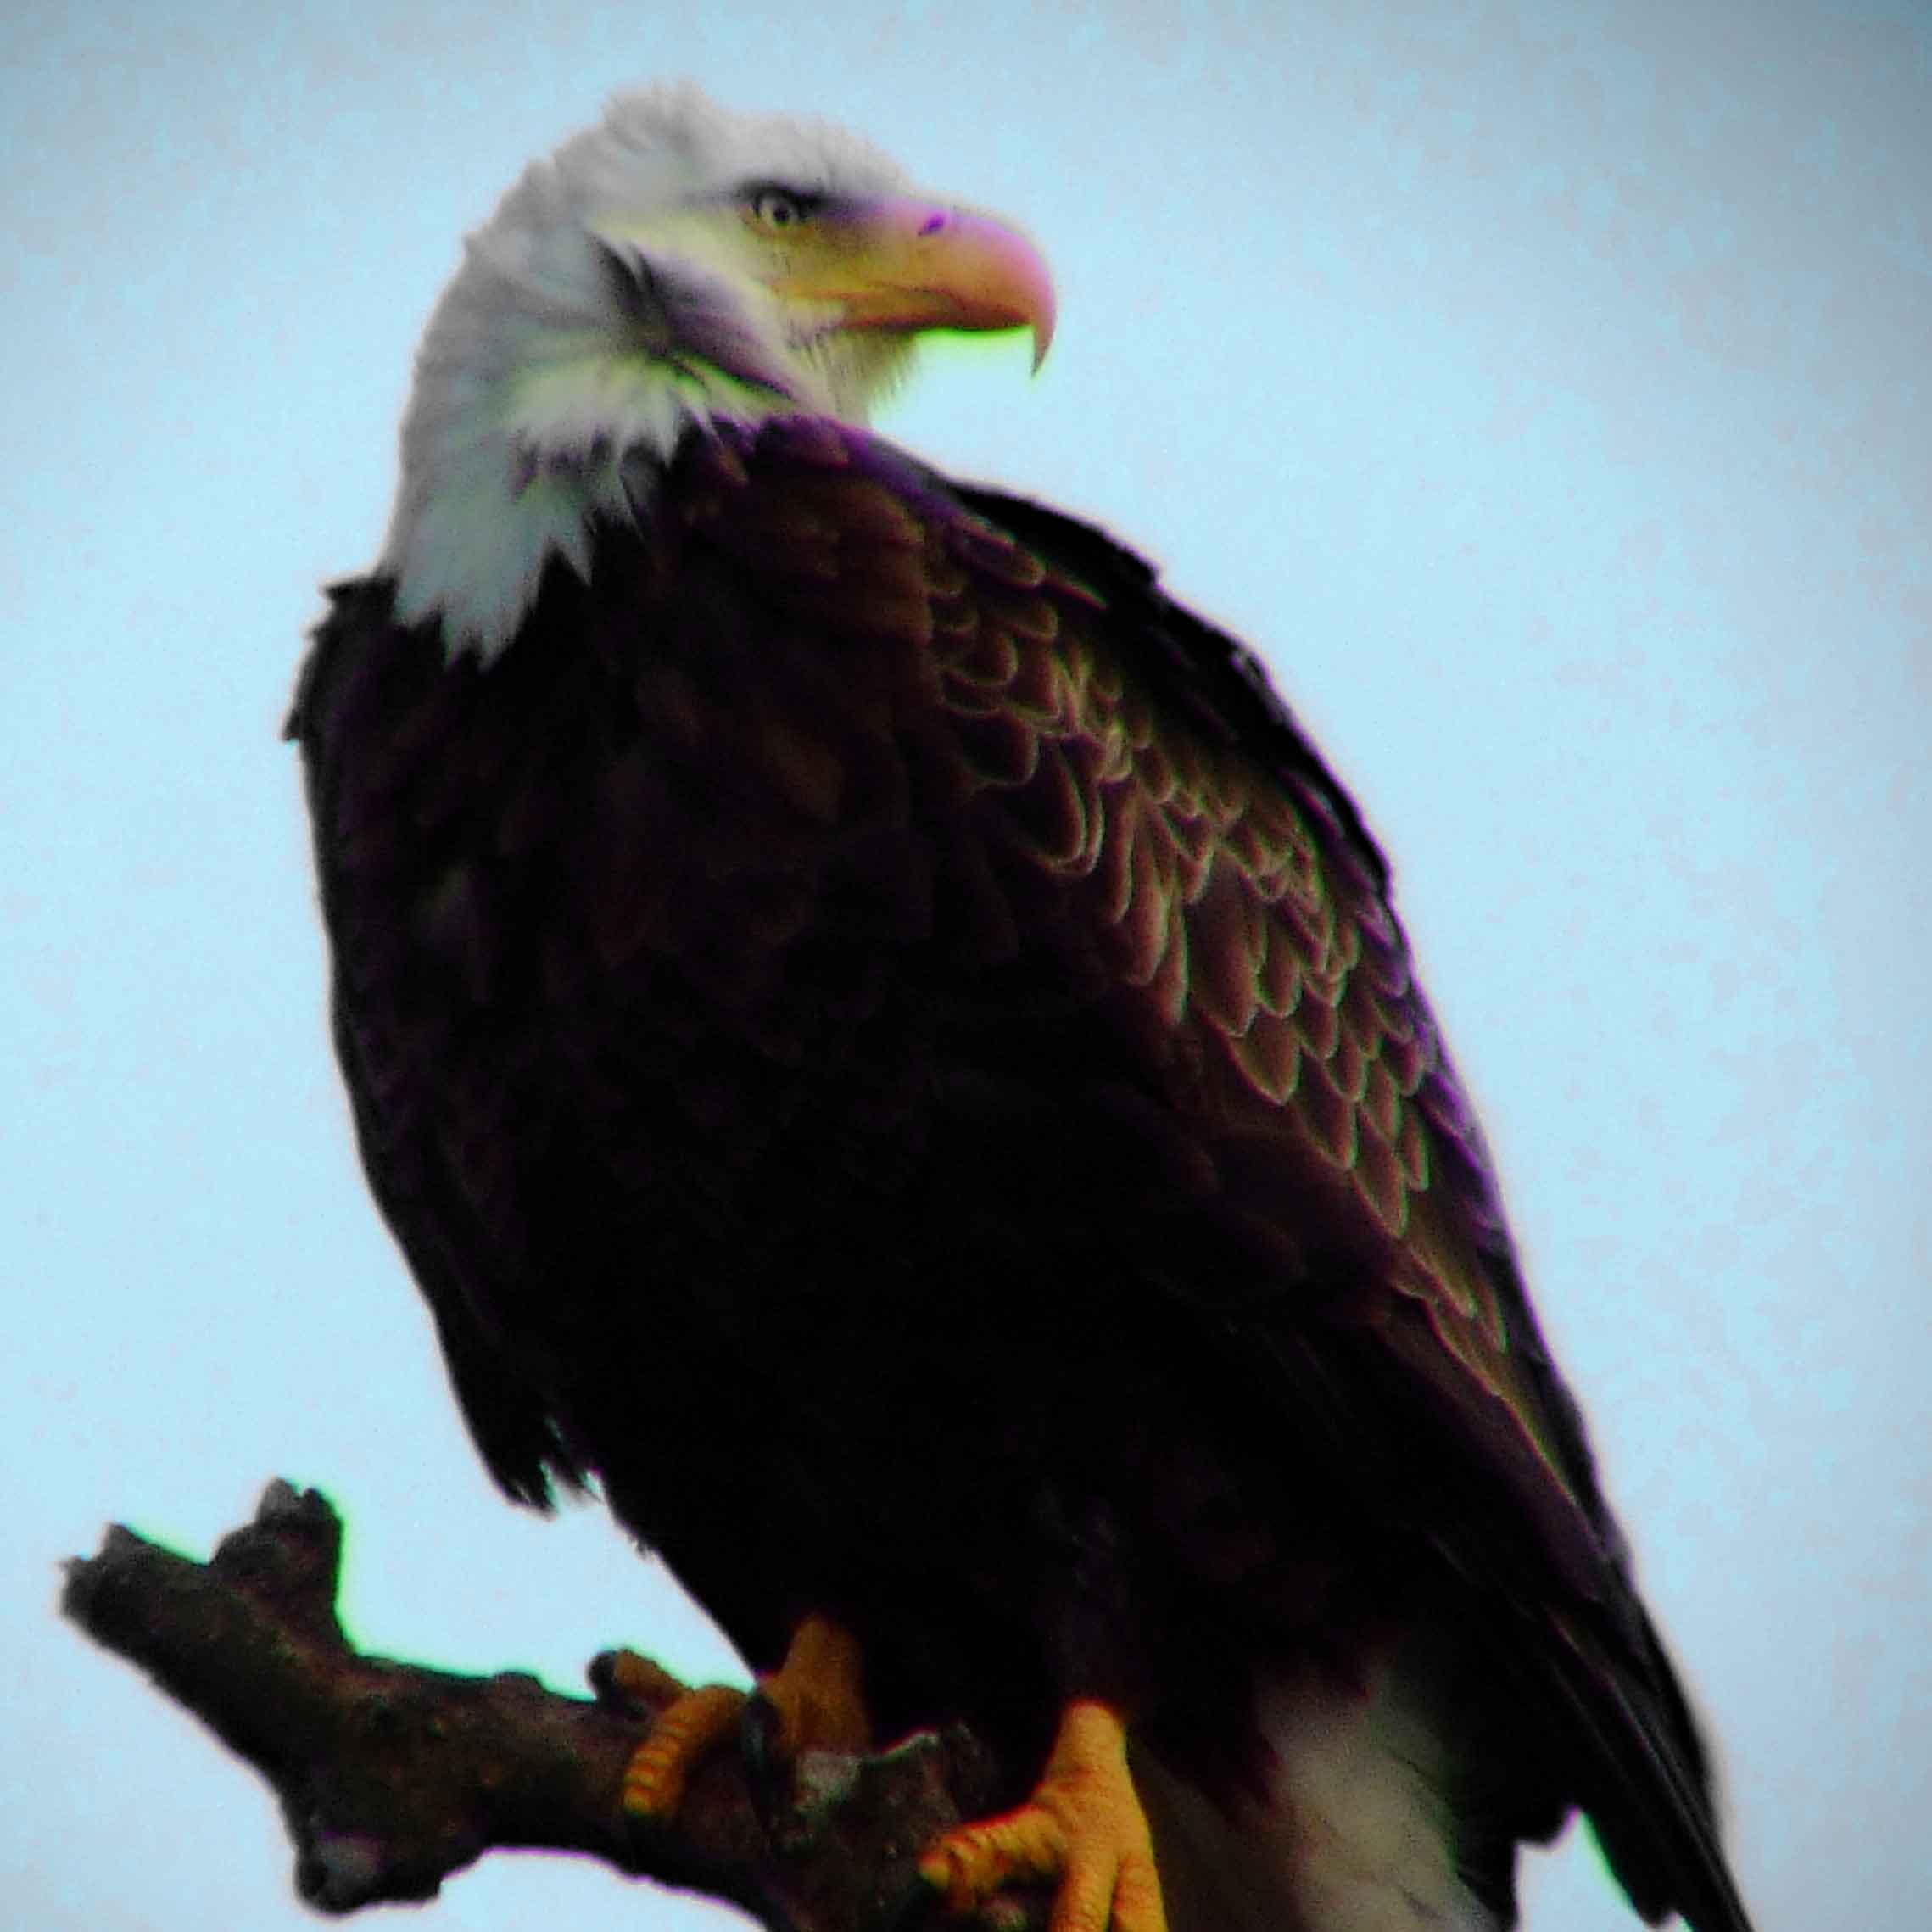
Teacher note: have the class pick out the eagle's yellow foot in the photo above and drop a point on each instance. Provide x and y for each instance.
(682, 1733)
(814, 1701)
(816, 1695)
(1083, 1826)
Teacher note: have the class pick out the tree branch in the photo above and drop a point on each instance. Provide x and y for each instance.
(393, 1777)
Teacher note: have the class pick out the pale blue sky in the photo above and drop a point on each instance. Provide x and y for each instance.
(1543, 389)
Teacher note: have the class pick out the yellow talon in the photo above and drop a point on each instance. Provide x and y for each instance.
(1083, 1826)
(641, 1682)
(661, 1766)
(816, 1693)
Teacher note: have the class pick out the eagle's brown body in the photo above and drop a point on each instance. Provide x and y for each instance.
(884, 1044)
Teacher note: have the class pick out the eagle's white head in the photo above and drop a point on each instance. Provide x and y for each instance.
(673, 266)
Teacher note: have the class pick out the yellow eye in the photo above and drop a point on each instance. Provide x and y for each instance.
(777, 209)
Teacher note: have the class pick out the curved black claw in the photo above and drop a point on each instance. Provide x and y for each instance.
(768, 1766)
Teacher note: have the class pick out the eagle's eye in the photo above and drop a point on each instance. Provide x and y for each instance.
(777, 209)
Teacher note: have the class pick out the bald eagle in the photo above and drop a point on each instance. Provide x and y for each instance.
(888, 1051)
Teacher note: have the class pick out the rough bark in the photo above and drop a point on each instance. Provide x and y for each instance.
(393, 1777)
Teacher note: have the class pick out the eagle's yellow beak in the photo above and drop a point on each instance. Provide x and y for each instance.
(897, 262)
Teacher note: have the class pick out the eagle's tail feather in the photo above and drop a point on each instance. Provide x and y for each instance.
(1354, 1831)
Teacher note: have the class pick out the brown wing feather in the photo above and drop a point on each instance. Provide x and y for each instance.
(1246, 909)
(1236, 906)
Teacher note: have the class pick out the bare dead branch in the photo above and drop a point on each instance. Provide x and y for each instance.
(393, 1777)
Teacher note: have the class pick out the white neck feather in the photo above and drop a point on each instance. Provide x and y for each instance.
(535, 393)
(593, 321)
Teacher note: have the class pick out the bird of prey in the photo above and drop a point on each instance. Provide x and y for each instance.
(888, 1051)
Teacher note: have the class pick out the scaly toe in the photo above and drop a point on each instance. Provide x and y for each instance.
(661, 1766)
(972, 1864)
(1083, 1827)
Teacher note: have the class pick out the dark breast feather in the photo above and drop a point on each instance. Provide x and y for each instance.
(870, 914)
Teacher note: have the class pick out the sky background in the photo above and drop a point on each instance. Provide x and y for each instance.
(1544, 389)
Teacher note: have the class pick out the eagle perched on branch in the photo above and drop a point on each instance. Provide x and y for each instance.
(888, 1050)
